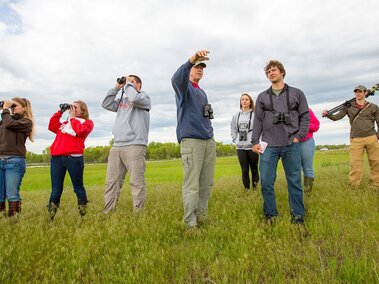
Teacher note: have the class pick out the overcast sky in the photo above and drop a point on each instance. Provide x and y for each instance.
(59, 51)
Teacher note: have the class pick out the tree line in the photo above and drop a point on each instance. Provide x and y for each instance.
(155, 151)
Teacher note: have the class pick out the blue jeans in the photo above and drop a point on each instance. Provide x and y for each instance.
(307, 152)
(292, 166)
(12, 171)
(75, 167)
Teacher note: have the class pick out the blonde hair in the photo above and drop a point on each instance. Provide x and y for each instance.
(25, 103)
(84, 109)
(251, 106)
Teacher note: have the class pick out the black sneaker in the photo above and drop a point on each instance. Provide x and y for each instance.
(82, 209)
(270, 220)
(297, 219)
(300, 226)
(52, 208)
(255, 185)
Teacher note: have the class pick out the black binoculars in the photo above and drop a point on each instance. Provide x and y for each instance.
(243, 135)
(64, 106)
(208, 111)
(281, 117)
(2, 104)
(121, 80)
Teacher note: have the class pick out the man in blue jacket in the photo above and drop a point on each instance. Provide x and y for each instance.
(130, 134)
(195, 134)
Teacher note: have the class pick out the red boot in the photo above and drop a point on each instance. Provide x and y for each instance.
(2, 208)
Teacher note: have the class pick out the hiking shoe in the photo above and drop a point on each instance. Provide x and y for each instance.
(82, 209)
(297, 219)
(270, 220)
(204, 221)
(192, 231)
(255, 185)
(52, 208)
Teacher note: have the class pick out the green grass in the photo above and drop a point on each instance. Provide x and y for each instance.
(153, 247)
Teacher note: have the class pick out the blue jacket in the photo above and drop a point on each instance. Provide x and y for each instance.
(190, 103)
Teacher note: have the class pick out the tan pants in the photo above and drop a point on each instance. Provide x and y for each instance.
(120, 161)
(357, 149)
(198, 160)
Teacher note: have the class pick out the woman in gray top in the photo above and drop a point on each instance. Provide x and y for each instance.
(241, 130)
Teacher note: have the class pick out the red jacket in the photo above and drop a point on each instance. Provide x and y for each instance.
(314, 125)
(64, 143)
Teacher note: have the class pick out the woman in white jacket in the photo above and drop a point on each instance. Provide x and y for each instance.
(241, 130)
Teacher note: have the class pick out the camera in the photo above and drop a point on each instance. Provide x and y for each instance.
(281, 117)
(208, 111)
(2, 104)
(243, 135)
(121, 80)
(64, 106)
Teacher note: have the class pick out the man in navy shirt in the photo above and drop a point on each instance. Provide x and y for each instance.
(195, 134)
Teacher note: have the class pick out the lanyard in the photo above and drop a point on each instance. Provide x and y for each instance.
(288, 99)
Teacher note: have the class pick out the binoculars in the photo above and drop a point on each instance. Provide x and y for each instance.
(208, 111)
(2, 104)
(281, 117)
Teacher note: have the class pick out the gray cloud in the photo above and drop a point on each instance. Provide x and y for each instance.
(75, 49)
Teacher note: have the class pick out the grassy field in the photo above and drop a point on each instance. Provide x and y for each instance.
(154, 247)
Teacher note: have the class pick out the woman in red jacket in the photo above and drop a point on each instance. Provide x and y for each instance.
(307, 147)
(67, 153)
(16, 124)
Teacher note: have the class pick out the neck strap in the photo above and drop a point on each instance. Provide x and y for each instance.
(271, 93)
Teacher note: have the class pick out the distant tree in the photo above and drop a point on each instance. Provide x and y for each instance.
(155, 151)
(225, 150)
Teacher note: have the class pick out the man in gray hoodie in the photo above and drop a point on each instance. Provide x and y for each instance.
(130, 134)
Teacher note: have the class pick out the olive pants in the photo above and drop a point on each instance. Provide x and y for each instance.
(198, 160)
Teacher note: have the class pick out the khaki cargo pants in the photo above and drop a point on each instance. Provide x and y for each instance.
(120, 161)
(357, 148)
(198, 160)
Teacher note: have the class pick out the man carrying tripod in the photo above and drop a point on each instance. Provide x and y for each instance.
(363, 136)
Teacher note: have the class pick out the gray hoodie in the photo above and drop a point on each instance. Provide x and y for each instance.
(131, 126)
(240, 121)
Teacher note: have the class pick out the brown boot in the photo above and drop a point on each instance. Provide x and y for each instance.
(14, 208)
(308, 184)
(52, 208)
(2, 208)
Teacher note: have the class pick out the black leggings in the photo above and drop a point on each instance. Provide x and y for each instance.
(248, 158)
